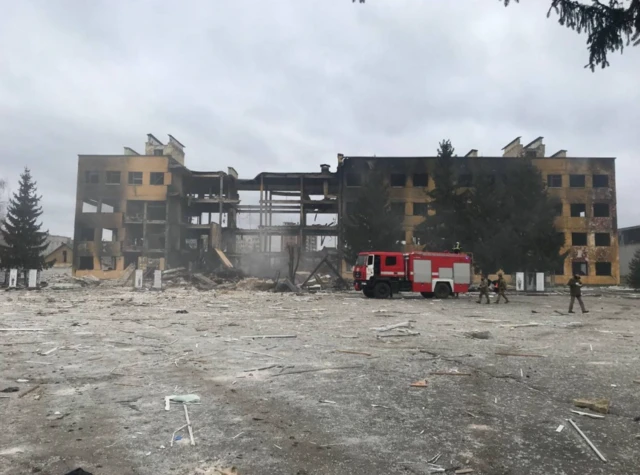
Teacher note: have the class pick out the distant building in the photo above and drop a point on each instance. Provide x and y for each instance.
(628, 243)
(62, 256)
(54, 242)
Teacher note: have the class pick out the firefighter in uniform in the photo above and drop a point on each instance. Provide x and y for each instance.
(484, 289)
(575, 288)
(502, 287)
(456, 248)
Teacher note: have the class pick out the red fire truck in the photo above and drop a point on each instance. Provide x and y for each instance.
(433, 274)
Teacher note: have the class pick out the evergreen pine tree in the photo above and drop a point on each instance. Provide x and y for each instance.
(372, 224)
(633, 278)
(24, 242)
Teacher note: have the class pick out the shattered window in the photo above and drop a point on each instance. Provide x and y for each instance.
(398, 180)
(601, 181)
(557, 208)
(603, 239)
(157, 178)
(85, 263)
(112, 178)
(578, 239)
(603, 268)
(420, 209)
(91, 177)
(580, 268)
(420, 180)
(601, 210)
(397, 208)
(135, 178)
(86, 234)
(554, 181)
(577, 181)
(578, 210)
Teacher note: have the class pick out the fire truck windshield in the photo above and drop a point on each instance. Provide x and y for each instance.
(361, 260)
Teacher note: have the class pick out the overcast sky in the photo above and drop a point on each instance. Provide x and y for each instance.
(284, 85)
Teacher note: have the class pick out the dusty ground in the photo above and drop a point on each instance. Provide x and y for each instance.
(99, 402)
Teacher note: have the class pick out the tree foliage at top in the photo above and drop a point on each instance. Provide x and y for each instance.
(505, 217)
(371, 225)
(610, 26)
(24, 240)
(633, 277)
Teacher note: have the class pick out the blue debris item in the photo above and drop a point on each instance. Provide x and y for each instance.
(178, 437)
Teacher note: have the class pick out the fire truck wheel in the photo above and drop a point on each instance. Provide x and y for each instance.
(382, 290)
(442, 290)
(368, 293)
(427, 295)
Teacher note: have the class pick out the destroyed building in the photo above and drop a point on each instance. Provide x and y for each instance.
(585, 187)
(151, 211)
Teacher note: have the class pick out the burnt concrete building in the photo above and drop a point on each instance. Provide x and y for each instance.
(585, 187)
(629, 244)
(151, 211)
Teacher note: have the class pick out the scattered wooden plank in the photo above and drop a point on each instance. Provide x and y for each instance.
(49, 352)
(637, 381)
(502, 353)
(186, 415)
(353, 352)
(522, 325)
(419, 384)
(463, 470)
(22, 330)
(587, 414)
(29, 391)
(449, 373)
(261, 369)
(258, 353)
(392, 327)
(588, 441)
(317, 369)
(268, 336)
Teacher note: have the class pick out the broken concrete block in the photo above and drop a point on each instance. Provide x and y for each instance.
(205, 280)
(597, 405)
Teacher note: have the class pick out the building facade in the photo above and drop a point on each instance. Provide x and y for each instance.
(629, 244)
(152, 211)
(585, 187)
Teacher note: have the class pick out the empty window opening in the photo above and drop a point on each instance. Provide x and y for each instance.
(398, 180)
(559, 268)
(601, 210)
(112, 178)
(421, 179)
(107, 235)
(86, 234)
(64, 257)
(109, 206)
(390, 261)
(108, 263)
(89, 206)
(156, 211)
(158, 152)
(603, 268)
(578, 210)
(92, 177)
(157, 178)
(603, 239)
(580, 268)
(554, 181)
(397, 208)
(135, 210)
(85, 263)
(576, 181)
(353, 179)
(601, 181)
(562, 238)
(135, 178)
(557, 209)
(465, 179)
(578, 239)
(420, 209)
(530, 154)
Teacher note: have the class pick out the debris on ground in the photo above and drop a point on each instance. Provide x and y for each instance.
(587, 414)
(182, 311)
(419, 384)
(79, 471)
(394, 326)
(587, 441)
(479, 335)
(253, 283)
(11, 389)
(599, 405)
(184, 398)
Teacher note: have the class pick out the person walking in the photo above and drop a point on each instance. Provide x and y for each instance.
(502, 287)
(575, 288)
(484, 289)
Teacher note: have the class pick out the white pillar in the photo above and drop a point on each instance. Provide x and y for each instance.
(520, 281)
(138, 280)
(13, 278)
(33, 278)
(157, 279)
(540, 281)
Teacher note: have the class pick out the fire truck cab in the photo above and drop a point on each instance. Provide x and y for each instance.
(432, 274)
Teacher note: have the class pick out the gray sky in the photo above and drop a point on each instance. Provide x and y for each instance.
(284, 85)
